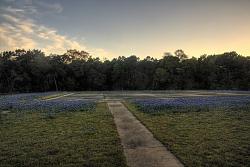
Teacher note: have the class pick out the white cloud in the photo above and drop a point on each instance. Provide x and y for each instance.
(21, 33)
(11, 38)
(10, 18)
(51, 7)
(9, 0)
(31, 7)
(14, 10)
(102, 53)
(17, 31)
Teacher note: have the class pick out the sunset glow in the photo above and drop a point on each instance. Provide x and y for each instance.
(114, 28)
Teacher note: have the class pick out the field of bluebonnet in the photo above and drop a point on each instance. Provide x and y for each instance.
(202, 128)
(40, 129)
(42, 102)
(201, 131)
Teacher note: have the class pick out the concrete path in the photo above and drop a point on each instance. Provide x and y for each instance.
(58, 97)
(140, 147)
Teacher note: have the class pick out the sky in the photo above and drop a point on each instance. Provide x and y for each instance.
(112, 28)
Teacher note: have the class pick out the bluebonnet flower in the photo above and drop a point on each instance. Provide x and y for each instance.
(208, 101)
(33, 101)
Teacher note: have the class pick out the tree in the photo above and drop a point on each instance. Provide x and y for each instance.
(32, 71)
(180, 54)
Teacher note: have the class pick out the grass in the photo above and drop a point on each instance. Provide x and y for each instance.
(217, 137)
(72, 139)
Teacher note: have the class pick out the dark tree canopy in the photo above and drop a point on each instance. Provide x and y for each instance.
(32, 71)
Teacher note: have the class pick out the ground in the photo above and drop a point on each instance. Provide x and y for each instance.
(65, 139)
(89, 138)
(210, 138)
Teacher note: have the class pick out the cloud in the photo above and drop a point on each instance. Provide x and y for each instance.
(102, 53)
(9, 0)
(11, 38)
(31, 7)
(50, 7)
(10, 18)
(18, 31)
(24, 33)
(14, 10)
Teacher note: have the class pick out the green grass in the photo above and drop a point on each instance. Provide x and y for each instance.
(214, 138)
(63, 139)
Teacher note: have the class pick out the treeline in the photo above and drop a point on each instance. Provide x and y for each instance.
(32, 71)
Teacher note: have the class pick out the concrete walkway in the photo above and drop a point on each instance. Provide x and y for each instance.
(140, 147)
(58, 97)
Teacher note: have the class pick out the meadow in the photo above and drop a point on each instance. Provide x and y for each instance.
(60, 132)
(201, 128)
(200, 131)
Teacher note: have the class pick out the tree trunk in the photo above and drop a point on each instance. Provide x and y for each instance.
(55, 83)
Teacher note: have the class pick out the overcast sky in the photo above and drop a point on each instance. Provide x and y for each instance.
(111, 28)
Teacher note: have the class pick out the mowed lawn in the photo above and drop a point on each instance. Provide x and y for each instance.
(81, 138)
(217, 137)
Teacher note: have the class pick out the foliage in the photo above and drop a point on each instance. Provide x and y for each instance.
(32, 71)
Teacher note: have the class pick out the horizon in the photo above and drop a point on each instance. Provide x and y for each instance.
(102, 59)
(116, 28)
